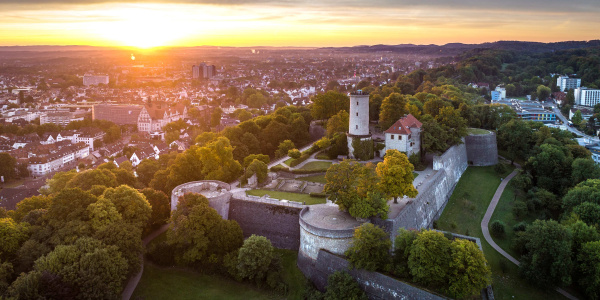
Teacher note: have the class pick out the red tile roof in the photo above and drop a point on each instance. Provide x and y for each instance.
(403, 125)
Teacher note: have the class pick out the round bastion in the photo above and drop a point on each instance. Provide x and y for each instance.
(482, 148)
(217, 193)
(325, 227)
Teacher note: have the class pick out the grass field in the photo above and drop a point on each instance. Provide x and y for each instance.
(463, 215)
(288, 161)
(477, 131)
(287, 196)
(181, 284)
(316, 165)
(315, 178)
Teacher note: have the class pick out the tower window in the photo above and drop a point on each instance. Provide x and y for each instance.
(356, 102)
(356, 126)
(357, 114)
(392, 136)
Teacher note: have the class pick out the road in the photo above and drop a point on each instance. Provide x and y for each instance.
(572, 129)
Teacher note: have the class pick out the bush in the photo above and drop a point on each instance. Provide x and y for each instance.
(161, 253)
(520, 209)
(415, 160)
(294, 153)
(340, 285)
(497, 228)
(279, 168)
(521, 226)
(501, 168)
(300, 160)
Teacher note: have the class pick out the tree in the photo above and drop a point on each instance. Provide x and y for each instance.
(433, 106)
(469, 271)
(455, 126)
(551, 168)
(584, 169)
(588, 265)
(328, 104)
(393, 107)
(338, 123)
(284, 147)
(197, 234)
(12, 235)
(259, 168)
(543, 92)
(171, 136)
(28, 204)
(588, 212)
(146, 170)
(161, 207)
(434, 138)
(131, 204)
(250, 158)
(96, 270)
(402, 245)
(369, 248)
(547, 258)
(429, 260)
(294, 153)
(396, 175)
(515, 136)
(8, 166)
(577, 118)
(86, 179)
(254, 257)
(340, 285)
(215, 117)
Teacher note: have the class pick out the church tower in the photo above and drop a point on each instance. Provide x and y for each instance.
(358, 129)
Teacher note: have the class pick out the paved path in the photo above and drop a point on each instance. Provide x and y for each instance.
(486, 220)
(134, 280)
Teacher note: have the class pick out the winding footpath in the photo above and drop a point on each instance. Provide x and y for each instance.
(135, 279)
(486, 221)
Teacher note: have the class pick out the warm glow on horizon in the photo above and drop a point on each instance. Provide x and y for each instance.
(147, 25)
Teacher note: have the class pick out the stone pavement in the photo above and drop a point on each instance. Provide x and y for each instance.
(486, 220)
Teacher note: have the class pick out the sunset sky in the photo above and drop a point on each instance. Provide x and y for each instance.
(293, 23)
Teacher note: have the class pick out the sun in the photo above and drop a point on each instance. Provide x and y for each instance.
(144, 27)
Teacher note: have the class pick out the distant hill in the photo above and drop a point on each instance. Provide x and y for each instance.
(457, 48)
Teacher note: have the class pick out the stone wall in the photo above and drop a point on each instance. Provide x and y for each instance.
(427, 207)
(376, 285)
(217, 193)
(278, 223)
(313, 239)
(482, 150)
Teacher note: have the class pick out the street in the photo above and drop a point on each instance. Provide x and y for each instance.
(572, 129)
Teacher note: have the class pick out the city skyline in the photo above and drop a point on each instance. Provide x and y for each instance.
(147, 24)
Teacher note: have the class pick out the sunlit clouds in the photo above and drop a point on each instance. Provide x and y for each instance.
(146, 25)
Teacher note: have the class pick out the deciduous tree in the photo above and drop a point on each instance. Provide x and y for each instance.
(396, 175)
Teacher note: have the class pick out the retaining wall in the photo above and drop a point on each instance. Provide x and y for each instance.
(278, 223)
(220, 202)
(376, 285)
(482, 150)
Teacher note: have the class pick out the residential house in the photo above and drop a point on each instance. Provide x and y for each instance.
(404, 136)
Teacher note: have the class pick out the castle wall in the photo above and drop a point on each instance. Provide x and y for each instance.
(313, 239)
(278, 223)
(433, 195)
(482, 150)
(375, 285)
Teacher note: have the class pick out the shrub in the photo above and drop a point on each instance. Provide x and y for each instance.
(497, 228)
(340, 285)
(521, 226)
(520, 209)
(500, 168)
(300, 160)
(415, 160)
(279, 168)
(318, 195)
(294, 153)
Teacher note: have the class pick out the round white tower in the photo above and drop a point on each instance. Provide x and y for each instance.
(358, 129)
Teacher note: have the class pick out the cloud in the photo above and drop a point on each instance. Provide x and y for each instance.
(491, 5)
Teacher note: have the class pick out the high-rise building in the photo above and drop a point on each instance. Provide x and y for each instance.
(203, 71)
(358, 127)
(586, 97)
(565, 83)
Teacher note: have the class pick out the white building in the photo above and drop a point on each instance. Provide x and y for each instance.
(565, 83)
(502, 92)
(53, 161)
(586, 97)
(154, 117)
(59, 118)
(404, 136)
(89, 136)
(89, 79)
(358, 128)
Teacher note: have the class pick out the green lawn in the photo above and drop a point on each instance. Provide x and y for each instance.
(287, 196)
(316, 165)
(463, 215)
(288, 161)
(477, 131)
(315, 178)
(179, 284)
(322, 155)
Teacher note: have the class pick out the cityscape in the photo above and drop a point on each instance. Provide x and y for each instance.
(299, 150)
